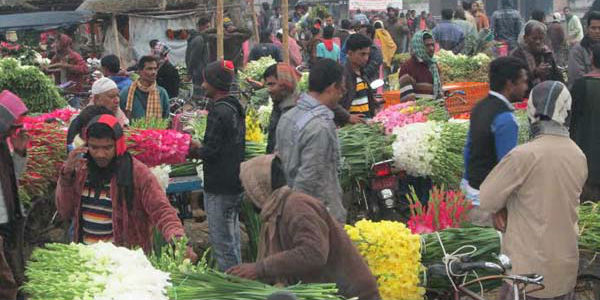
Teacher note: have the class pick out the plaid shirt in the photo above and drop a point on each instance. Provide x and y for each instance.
(506, 25)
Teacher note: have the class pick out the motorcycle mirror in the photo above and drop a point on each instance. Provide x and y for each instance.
(377, 83)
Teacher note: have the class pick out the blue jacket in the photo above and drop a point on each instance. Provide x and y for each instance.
(121, 81)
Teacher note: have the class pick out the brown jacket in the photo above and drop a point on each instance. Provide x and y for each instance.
(314, 247)
(539, 183)
(130, 228)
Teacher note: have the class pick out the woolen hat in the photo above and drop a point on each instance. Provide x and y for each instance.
(219, 74)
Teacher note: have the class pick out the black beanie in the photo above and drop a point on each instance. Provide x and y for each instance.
(219, 74)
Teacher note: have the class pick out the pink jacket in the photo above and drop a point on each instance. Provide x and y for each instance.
(130, 228)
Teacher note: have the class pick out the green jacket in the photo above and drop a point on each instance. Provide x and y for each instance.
(140, 102)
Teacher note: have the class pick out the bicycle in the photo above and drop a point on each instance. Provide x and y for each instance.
(457, 268)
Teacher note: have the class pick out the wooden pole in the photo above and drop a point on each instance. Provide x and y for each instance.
(93, 34)
(255, 22)
(219, 29)
(116, 34)
(286, 31)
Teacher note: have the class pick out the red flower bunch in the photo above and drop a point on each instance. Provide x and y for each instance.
(154, 147)
(63, 114)
(445, 209)
(46, 155)
(7, 47)
(521, 105)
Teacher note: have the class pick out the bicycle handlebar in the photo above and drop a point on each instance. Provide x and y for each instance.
(458, 268)
(464, 267)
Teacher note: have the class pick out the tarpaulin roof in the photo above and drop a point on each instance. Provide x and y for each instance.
(44, 20)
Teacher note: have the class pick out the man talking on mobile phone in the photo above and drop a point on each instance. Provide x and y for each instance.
(110, 195)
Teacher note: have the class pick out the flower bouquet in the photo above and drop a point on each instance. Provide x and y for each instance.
(431, 149)
(63, 114)
(393, 254)
(101, 272)
(400, 115)
(445, 209)
(46, 154)
(361, 146)
(156, 147)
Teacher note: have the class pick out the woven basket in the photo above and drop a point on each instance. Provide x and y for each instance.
(473, 93)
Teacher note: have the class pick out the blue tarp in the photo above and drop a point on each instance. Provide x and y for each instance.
(44, 20)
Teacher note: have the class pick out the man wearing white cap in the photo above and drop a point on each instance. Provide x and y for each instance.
(105, 93)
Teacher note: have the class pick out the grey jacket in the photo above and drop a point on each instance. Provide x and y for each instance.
(19, 162)
(307, 143)
(580, 63)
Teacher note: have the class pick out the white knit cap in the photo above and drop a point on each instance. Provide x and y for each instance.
(102, 85)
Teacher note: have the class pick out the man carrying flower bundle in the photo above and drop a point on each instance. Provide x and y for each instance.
(281, 80)
(307, 142)
(299, 240)
(222, 151)
(12, 223)
(493, 130)
(144, 98)
(420, 75)
(111, 196)
(539, 185)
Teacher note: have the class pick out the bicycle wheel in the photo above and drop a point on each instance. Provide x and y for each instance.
(587, 288)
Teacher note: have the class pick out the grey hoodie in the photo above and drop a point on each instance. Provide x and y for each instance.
(307, 143)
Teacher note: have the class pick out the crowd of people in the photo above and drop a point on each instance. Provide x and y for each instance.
(108, 195)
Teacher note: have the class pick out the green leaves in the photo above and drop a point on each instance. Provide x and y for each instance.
(362, 145)
(37, 90)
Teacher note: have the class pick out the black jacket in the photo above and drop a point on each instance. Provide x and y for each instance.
(585, 123)
(196, 57)
(224, 146)
(278, 110)
(232, 41)
(341, 111)
(481, 153)
(168, 78)
(371, 70)
(264, 50)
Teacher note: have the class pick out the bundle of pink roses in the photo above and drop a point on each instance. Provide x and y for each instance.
(158, 146)
(402, 114)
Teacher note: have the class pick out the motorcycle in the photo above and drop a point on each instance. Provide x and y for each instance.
(383, 197)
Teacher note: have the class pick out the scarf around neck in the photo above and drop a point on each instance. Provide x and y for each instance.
(328, 44)
(153, 107)
(419, 51)
(121, 166)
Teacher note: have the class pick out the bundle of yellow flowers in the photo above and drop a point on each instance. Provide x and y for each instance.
(253, 131)
(393, 254)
